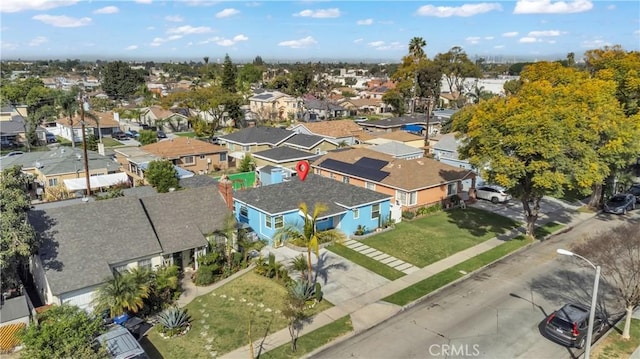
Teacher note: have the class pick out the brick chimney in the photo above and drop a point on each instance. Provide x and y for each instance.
(225, 186)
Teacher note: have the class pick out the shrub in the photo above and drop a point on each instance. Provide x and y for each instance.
(174, 321)
(408, 215)
(360, 230)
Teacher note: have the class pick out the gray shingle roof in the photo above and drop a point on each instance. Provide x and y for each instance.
(14, 308)
(396, 149)
(287, 196)
(197, 181)
(283, 154)
(181, 218)
(448, 142)
(304, 141)
(81, 241)
(62, 160)
(259, 135)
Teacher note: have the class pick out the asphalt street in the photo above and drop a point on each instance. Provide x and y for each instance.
(495, 313)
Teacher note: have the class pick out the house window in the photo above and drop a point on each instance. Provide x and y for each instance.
(188, 160)
(452, 188)
(406, 198)
(375, 211)
(53, 182)
(223, 157)
(145, 263)
(268, 221)
(244, 212)
(345, 179)
(356, 213)
(279, 221)
(246, 148)
(369, 185)
(232, 146)
(318, 150)
(202, 157)
(120, 269)
(96, 174)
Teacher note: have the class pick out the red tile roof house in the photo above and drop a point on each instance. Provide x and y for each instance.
(414, 183)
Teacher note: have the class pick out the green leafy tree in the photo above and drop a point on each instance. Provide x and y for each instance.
(17, 237)
(301, 80)
(124, 293)
(147, 137)
(308, 233)
(63, 331)
(456, 67)
(552, 135)
(162, 175)
(396, 100)
(246, 164)
(250, 74)
(229, 75)
(69, 106)
(119, 80)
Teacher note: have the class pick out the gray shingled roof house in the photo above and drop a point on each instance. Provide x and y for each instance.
(272, 136)
(84, 244)
(282, 155)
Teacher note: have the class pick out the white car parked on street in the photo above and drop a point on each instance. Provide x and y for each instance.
(495, 194)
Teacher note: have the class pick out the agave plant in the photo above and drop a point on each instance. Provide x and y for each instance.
(174, 320)
(305, 290)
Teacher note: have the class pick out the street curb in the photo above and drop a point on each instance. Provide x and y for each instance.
(427, 296)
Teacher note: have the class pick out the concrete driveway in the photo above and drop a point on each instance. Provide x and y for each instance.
(341, 279)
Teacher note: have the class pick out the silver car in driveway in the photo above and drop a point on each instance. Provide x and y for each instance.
(620, 203)
(495, 194)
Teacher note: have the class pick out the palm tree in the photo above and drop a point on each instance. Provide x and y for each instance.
(309, 233)
(121, 294)
(69, 106)
(416, 48)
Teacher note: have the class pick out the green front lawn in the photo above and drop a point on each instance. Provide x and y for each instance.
(613, 346)
(313, 340)
(186, 134)
(439, 280)
(366, 262)
(429, 239)
(221, 319)
(110, 142)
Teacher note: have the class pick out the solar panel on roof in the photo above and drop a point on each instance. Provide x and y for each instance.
(371, 163)
(354, 170)
(263, 96)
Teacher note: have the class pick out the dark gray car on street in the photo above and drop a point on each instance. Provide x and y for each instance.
(621, 203)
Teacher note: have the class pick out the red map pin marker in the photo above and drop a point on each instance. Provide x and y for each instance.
(303, 169)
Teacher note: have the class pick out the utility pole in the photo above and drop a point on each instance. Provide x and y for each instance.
(84, 145)
(426, 131)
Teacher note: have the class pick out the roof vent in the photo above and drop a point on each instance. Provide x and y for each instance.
(78, 156)
(38, 164)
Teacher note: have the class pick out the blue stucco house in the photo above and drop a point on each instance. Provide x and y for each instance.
(268, 208)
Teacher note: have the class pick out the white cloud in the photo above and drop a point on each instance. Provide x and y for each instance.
(8, 45)
(221, 41)
(488, 37)
(365, 22)
(174, 18)
(551, 41)
(240, 37)
(159, 40)
(38, 41)
(595, 43)
(298, 44)
(63, 21)
(107, 10)
(499, 47)
(464, 10)
(143, 1)
(528, 40)
(252, 4)
(510, 34)
(611, 7)
(151, 27)
(188, 29)
(545, 33)
(227, 13)
(637, 32)
(23, 5)
(382, 46)
(320, 14)
(473, 39)
(131, 47)
(200, 2)
(357, 41)
(552, 7)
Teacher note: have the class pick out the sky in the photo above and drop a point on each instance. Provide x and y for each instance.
(377, 31)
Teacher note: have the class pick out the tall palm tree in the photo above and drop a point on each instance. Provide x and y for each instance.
(308, 233)
(69, 107)
(121, 294)
(416, 48)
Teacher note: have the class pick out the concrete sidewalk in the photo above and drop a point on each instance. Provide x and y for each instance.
(367, 309)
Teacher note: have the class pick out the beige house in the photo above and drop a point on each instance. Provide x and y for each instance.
(274, 106)
(193, 155)
(164, 119)
(404, 137)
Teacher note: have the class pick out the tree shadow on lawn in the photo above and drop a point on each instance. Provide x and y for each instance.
(479, 222)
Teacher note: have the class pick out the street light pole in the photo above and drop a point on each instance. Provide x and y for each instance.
(594, 298)
(84, 147)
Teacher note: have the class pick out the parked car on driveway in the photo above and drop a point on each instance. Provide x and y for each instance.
(132, 134)
(51, 138)
(635, 190)
(620, 203)
(120, 136)
(569, 325)
(161, 134)
(495, 194)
